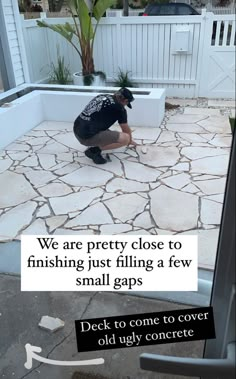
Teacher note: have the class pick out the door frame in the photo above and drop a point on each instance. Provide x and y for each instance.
(223, 291)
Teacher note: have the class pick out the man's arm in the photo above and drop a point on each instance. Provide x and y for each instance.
(126, 129)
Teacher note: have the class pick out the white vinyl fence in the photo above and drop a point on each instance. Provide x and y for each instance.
(221, 10)
(189, 56)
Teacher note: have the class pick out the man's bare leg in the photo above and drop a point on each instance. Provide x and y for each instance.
(123, 140)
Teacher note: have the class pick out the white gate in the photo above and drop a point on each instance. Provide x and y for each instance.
(217, 79)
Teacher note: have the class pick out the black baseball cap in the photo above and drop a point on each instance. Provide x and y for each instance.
(127, 94)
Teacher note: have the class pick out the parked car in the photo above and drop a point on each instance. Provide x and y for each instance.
(169, 9)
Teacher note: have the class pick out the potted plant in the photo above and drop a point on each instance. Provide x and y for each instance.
(81, 35)
(123, 79)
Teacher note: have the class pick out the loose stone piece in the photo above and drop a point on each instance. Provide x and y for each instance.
(144, 149)
(51, 324)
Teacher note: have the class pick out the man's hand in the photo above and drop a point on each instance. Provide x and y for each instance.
(126, 129)
(133, 143)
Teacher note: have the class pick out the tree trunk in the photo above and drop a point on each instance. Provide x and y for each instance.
(55, 5)
(125, 7)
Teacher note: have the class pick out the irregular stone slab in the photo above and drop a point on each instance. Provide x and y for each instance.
(221, 141)
(47, 160)
(211, 165)
(51, 324)
(144, 221)
(5, 164)
(202, 111)
(40, 177)
(190, 188)
(67, 169)
(114, 166)
(53, 148)
(15, 219)
(37, 227)
(191, 137)
(211, 187)
(181, 167)
(54, 125)
(107, 196)
(58, 166)
(115, 228)
(158, 156)
(14, 189)
(207, 246)
(68, 139)
(18, 156)
(218, 198)
(65, 157)
(55, 221)
(62, 231)
(132, 153)
(125, 185)
(44, 211)
(186, 119)
(18, 147)
(74, 202)
(38, 141)
(30, 161)
(216, 124)
(166, 136)
(184, 128)
(174, 210)
(163, 232)
(87, 176)
(36, 133)
(146, 133)
(138, 232)
(55, 189)
(97, 214)
(210, 212)
(177, 181)
(201, 152)
(126, 207)
(204, 177)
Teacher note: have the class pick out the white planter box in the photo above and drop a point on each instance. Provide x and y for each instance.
(41, 105)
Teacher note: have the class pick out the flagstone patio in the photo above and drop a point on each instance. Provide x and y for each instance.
(48, 186)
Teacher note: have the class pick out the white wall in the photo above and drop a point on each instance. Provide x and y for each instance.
(28, 111)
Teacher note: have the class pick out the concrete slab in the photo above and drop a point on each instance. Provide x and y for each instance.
(21, 312)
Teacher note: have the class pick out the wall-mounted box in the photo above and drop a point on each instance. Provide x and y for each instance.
(182, 40)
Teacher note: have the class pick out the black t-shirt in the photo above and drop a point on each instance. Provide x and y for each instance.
(100, 113)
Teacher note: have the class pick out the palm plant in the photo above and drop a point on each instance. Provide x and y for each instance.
(81, 35)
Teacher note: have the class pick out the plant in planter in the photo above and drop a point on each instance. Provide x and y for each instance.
(81, 34)
(60, 73)
(123, 79)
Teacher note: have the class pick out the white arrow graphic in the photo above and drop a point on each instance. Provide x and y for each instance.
(31, 354)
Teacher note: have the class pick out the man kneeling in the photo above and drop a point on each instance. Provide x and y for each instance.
(91, 127)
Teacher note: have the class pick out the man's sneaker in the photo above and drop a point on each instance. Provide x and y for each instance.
(94, 153)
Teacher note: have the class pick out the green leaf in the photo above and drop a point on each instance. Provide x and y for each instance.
(63, 30)
(85, 20)
(101, 6)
